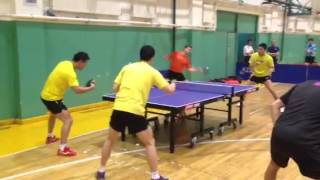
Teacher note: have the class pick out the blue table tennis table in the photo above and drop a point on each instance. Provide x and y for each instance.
(194, 95)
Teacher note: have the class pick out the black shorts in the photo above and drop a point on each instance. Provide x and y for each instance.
(275, 60)
(260, 80)
(307, 158)
(55, 107)
(310, 59)
(176, 76)
(246, 60)
(135, 123)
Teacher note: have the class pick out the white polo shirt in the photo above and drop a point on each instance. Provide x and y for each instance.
(247, 49)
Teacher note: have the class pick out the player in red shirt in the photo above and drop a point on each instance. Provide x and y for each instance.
(179, 63)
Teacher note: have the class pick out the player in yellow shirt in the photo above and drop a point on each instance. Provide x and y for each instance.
(262, 66)
(62, 78)
(133, 85)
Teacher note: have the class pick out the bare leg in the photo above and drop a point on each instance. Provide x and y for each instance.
(107, 147)
(271, 172)
(66, 118)
(146, 137)
(51, 123)
(268, 85)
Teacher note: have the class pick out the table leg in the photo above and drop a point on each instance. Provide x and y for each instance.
(172, 131)
(201, 119)
(229, 111)
(241, 109)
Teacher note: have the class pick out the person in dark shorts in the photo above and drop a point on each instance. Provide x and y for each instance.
(296, 131)
(311, 52)
(132, 87)
(179, 62)
(261, 65)
(274, 52)
(62, 78)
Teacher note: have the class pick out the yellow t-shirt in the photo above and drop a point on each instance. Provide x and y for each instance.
(136, 81)
(60, 79)
(263, 64)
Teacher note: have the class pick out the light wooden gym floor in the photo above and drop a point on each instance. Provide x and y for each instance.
(242, 154)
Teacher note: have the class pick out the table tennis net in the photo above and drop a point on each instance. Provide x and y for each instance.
(205, 87)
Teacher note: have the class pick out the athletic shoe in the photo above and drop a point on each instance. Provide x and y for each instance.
(67, 151)
(161, 178)
(101, 175)
(51, 140)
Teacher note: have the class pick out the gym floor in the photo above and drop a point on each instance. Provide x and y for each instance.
(240, 154)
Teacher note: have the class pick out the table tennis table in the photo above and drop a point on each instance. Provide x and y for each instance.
(193, 95)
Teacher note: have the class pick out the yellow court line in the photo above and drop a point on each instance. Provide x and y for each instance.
(32, 133)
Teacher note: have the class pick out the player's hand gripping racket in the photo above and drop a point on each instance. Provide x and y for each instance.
(91, 81)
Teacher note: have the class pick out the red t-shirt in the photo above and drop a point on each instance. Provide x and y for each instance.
(179, 62)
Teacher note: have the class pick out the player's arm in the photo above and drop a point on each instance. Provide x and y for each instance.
(252, 62)
(192, 69)
(81, 90)
(280, 103)
(271, 65)
(169, 88)
(161, 83)
(276, 109)
(117, 81)
(169, 56)
(116, 87)
(74, 84)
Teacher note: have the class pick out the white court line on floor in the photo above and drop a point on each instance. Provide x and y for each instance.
(123, 153)
(256, 111)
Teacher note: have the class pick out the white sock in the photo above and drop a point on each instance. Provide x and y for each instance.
(155, 175)
(62, 146)
(50, 135)
(102, 169)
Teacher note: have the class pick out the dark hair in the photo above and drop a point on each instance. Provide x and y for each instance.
(249, 40)
(310, 39)
(81, 56)
(147, 52)
(263, 45)
(188, 46)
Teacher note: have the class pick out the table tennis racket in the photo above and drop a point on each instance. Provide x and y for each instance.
(89, 82)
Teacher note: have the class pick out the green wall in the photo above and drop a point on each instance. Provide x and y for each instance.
(235, 22)
(226, 21)
(294, 48)
(245, 27)
(215, 50)
(247, 23)
(40, 46)
(8, 71)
